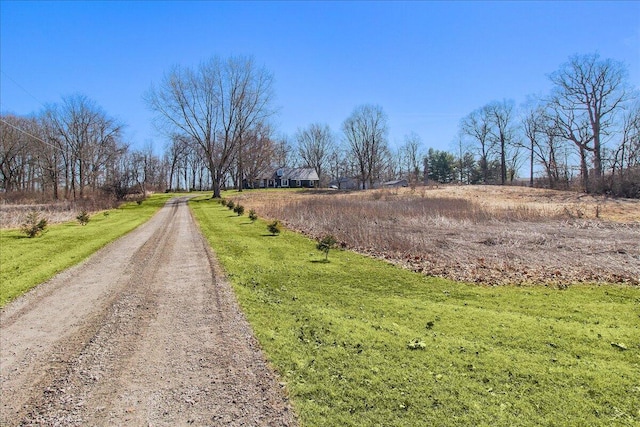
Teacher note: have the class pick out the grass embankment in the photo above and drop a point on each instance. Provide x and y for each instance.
(341, 336)
(25, 263)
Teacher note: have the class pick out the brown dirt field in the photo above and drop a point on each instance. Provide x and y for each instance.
(501, 235)
(146, 332)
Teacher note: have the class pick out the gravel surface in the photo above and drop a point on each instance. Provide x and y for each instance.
(145, 332)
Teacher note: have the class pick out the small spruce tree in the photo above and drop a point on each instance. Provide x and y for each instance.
(83, 218)
(253, 216)
(325, 244)
(33, 225)
(274, 227)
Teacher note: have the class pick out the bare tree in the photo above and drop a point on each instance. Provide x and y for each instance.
(411, 157)
(13, 146)
(531, 126)
(86, 136)
(315, 144)
(175, 152)
(341, 164)
(588, 93)
(215, 105)
(366, 133)
(477, 126)
(545, 147)
(283, 154)
(503, 135)
(624, 179)
(260, 153)
(628, 151)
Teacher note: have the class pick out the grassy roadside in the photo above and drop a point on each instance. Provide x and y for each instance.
(24, 262)
(361, 343)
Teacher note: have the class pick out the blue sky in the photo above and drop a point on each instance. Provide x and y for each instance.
(428, 64)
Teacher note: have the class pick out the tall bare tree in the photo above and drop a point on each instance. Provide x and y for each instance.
(366, 133)
(588, 94)
(260, 152)
(13, 147)
(628, 151)
(86, 136)
(477, 127)
(411, 157)
(502, 132)
(315, 144)
(540, 130)
(215, 104)
(283, 153)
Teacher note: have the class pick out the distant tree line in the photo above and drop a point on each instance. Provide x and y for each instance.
(72, 150)
(217, 122)
(583, 135)
(585, 132)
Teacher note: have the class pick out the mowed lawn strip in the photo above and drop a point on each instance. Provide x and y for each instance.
(25, 262)
(362, 343)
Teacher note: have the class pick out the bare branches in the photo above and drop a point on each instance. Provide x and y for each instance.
(216, 105)
(366, 133)
(588, 93)
(315, 145)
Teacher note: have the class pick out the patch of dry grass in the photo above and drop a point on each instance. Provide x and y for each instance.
(13, 212)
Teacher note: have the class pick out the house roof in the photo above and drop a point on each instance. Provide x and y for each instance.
(299, 174)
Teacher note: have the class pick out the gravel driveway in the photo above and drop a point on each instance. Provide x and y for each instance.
(145, 332)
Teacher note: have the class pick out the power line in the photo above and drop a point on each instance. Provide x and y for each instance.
(22, 130)
(28, 134)
(21, 87)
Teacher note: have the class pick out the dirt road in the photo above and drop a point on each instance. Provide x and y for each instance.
(146, 332)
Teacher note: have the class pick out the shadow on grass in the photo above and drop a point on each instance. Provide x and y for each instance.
(20, 237)
(270, 235)
(320, 261)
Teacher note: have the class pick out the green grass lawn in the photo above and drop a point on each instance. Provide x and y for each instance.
(362, 343)
(25, 263)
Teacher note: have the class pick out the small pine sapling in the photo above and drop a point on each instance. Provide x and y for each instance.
(325, 244)
(33, 225)
(230, 205)
(223, 202)
(253, 216)
(83, 218)
(274, 227)
(239, 209)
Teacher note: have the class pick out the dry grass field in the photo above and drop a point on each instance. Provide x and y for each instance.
(14, 212)
(481, 234)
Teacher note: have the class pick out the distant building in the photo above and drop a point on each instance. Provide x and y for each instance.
(345, 183)
(354, 183)
(396, 183)
(286, 178)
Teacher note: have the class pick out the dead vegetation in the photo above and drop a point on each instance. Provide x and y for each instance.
(15, 210)
(485, 235)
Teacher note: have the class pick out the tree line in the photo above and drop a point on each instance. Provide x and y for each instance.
(585, 131)
(71, 150)
(217, 119)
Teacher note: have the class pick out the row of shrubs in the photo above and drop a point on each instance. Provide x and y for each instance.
(238, 208)
(325, 244)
